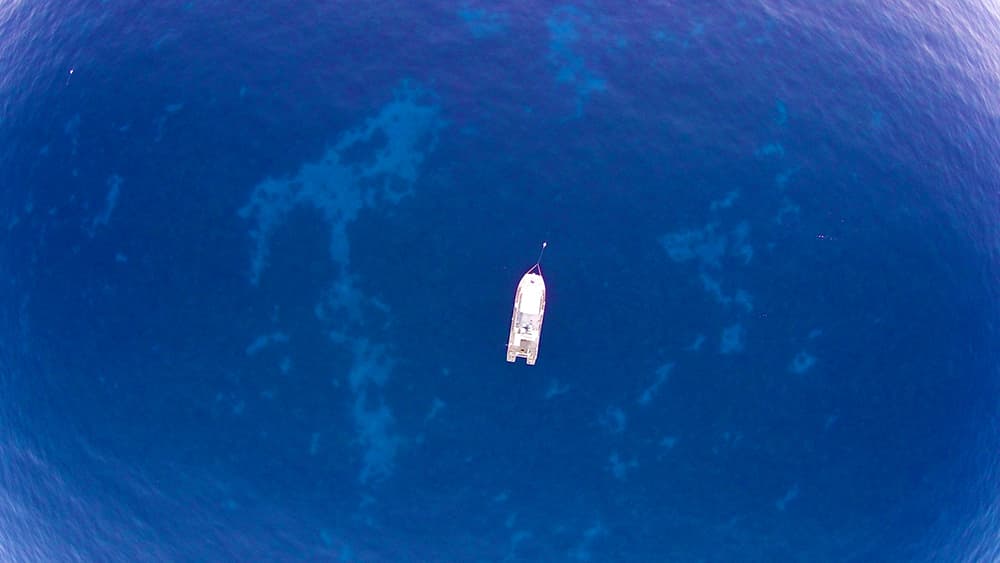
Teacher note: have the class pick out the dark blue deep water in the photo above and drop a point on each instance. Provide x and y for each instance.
(257, 266)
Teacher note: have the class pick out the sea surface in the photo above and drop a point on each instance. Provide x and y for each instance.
(257, 264)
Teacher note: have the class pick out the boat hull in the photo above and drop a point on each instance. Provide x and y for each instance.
(526, 321)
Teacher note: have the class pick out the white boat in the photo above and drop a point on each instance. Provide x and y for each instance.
(529, 311)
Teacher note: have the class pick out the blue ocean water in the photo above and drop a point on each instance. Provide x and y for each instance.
(258, 267)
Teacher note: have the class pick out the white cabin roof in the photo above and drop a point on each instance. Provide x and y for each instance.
(532, 289)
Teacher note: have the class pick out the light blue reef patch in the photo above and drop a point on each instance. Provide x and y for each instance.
(668, 442)
(771, 150)
(340, 190)
(516, 539)
(696, 345)
(564, 55)
(732, 339)
(780, 113)
(661, 36)
(713, 287)
(662, 374)
(830, 421)
(264, 340)
(325, 536)
(876, 120)
(373, 419)
(377, 163)
(510, 520)
(582, 551)
(787, 209)
(160, 122)
(344, 550)
(781, 178)
(619, 467)
(707, 246)
(743, 299)
(436, 406)
(555, 389)
(741, 247)
(726, 202)
(72, 130)
(375, 429)
(667, 38)
(789, 496)
(483, 23)
(802, 362)
(613, 420)
(114, 183)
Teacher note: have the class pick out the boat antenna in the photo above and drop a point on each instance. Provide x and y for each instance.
(538, 262)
